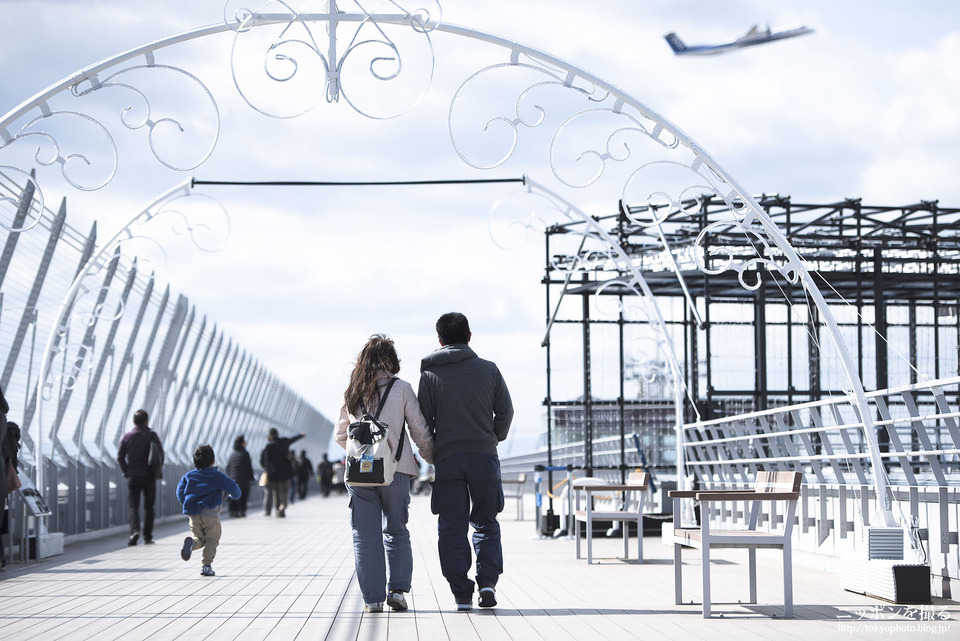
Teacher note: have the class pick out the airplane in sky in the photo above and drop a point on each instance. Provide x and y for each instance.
(756, 36)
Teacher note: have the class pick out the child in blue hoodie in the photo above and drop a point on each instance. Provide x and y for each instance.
(200, 491)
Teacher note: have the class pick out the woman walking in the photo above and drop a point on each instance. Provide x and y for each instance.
(378, 514)
(240, 469)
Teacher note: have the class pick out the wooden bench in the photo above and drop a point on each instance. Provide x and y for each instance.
(513, 490)
(769, 486)
(603, 502)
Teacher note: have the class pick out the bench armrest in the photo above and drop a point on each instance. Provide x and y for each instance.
(612, 488)
(689, 494)
(747, 496)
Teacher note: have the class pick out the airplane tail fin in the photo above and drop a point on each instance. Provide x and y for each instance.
(675, 42)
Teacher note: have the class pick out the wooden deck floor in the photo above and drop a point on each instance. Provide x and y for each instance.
(293, 578)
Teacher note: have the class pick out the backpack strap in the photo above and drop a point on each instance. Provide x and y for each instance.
(383, 399)
(403, 432)
(376, 417)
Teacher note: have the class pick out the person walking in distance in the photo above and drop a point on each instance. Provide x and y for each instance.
(240, 469)
(133, 456)
(304, 472)
(325, 475)
(9, 448)
(294, 475)
(467, 405)
(275, 459)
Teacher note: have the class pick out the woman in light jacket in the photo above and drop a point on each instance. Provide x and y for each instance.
(378, 514)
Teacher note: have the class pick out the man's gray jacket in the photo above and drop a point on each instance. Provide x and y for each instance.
(465, 401)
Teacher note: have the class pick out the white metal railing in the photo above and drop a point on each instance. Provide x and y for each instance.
(917, 427)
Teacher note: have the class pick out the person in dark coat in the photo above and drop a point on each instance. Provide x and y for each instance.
(468, 408)
(325, 475)
(133, 456)
(294, 475)
(240, 469)
(275, 459)
(304, 472)
(8, 454)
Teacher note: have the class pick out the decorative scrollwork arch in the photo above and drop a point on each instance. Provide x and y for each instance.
(629, 127)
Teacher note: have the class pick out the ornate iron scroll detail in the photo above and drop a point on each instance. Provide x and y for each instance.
(299, 70)
(161, 126)
(54, 134)
(525, 108)
(85, 150)
(590, 131)
(671, 189)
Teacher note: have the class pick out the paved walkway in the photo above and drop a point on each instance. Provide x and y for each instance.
(293, 578)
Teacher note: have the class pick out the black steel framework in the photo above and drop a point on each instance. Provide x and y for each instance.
(889, 272)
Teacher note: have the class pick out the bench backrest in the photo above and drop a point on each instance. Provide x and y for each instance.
(637, 478)
(788, 482)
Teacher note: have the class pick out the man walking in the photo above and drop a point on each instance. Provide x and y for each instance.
(468, 408)
(134, 459)
(325, 475)
(275, 459)
(304, 472)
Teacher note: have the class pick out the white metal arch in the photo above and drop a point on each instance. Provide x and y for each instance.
(704, 171)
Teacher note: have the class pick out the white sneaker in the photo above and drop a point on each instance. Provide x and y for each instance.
(373, 607)
(396, 600)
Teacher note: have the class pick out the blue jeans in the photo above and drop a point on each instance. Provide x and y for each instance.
(460, 480)
(378, 516)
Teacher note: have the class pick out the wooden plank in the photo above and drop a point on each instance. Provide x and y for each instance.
(173, 629)
(294, 578)
(428, 591)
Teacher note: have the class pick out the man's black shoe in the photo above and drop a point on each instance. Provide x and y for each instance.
(488, 597)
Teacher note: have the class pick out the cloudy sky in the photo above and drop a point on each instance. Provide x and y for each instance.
(865, 107)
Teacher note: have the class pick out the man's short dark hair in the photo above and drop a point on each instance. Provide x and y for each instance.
(203, 457)
(453, 329)
(273, 434)
(140, 418)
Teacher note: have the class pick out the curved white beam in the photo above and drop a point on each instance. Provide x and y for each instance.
(753, 213)
(679, 386)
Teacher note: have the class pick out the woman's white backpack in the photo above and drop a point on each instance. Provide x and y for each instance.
(370, 459)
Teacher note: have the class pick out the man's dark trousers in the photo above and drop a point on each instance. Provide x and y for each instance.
(460, 479)
(136, 485)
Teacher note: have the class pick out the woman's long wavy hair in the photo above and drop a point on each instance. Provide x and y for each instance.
(378, 355)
